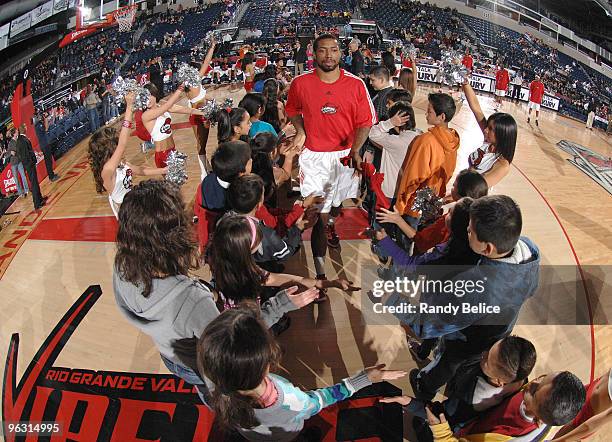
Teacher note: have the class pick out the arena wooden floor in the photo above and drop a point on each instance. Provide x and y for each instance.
(566, 213)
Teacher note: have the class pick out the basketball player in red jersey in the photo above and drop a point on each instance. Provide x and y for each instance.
(502, 80)
(332, 113)
(536, 92)
(468, 61)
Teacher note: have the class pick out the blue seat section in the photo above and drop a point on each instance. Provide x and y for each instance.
(263, 16)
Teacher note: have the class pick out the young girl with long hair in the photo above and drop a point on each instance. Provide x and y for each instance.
(248, 67)
(275, 109)
(468, 183)
(233, 125)
(455, 251)
(157, 120)
(408, 81)
(156, 250)
(201, 127)
(238, 355)
(111, 172)
(237, 276)
(494, 157)
(255, 104)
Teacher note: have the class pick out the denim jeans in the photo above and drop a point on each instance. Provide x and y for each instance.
(18, 171)
(94, 121)
(189, 376)
(114, 111)
(105, 110)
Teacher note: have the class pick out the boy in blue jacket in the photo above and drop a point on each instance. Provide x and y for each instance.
(504, 278)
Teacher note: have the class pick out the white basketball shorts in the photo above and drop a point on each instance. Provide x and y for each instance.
(322, 173)
(534, 106)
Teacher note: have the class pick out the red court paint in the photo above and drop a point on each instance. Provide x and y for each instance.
(97, 229)
(104, 228)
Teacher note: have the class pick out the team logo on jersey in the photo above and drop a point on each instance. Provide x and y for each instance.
(127, 180)
(166, 129)
(329, 109)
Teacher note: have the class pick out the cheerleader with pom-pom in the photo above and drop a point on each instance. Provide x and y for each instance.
(110, 171)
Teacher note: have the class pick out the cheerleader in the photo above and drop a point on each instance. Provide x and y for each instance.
(247, 66)
(201, 127)
(157, 120)
(111, 172)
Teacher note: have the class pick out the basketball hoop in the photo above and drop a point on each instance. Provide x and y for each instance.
(125, 17)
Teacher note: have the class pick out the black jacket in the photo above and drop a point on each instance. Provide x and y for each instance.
(357, 65)
(25, 151)
(300, 55)
(275, 248)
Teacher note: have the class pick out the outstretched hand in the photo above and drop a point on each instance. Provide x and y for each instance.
(402, 400)
(378, 374)
(343, 284)
(388, 216)
(301, 299)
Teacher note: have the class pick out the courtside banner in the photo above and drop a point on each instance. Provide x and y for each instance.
(427, 73)
(481, 83)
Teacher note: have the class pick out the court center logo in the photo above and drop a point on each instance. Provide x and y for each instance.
(87, 405)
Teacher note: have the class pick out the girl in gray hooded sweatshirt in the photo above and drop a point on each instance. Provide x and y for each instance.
(156, 249)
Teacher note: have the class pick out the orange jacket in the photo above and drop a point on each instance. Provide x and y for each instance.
(430, 163)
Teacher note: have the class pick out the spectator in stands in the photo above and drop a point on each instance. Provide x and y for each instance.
(299, 57)
(91, 103)
(356, 58)
(494, 157)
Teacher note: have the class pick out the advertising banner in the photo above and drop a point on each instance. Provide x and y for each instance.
(43, 12)
(20, 24)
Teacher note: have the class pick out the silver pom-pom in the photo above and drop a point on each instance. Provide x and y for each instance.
(409, 50)
(141, 98)
(228, 103)
(212, 109)
(189, 76)
(428, 204)
(453, 72)
(122, 87)
(212, 35)
(177, 168)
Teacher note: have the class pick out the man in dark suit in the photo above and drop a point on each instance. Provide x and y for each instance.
(156, 74)
(357, 65)
(300, 58)
(26, 154)
(43, 141)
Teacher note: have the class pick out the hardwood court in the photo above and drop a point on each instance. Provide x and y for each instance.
(48, 259)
